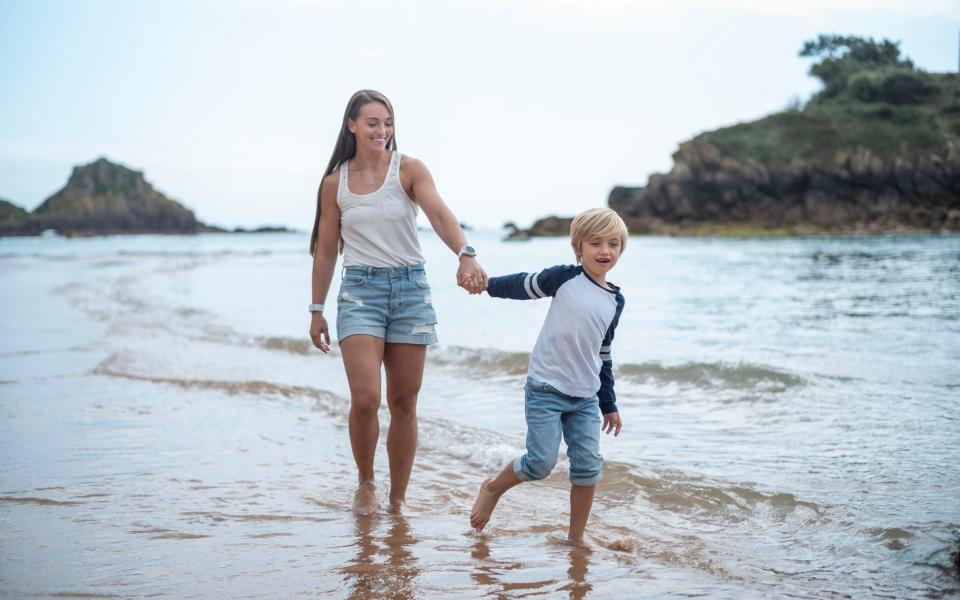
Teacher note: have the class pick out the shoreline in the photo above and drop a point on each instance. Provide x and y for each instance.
(743, 230)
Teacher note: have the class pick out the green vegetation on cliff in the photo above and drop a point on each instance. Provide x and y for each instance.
(10, 212)
(873, 98)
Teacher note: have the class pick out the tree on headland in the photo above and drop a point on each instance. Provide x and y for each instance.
(871, 71)
(873, 98)
(844, 55)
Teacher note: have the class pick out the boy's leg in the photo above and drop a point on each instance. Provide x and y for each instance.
(543, 407)
(490, 492)
(581, 501)
(581, 431)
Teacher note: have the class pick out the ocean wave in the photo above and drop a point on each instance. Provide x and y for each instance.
(293, 345)
(740, 376)
(486, 362)
(114, 366)
(480, 361)
(35, 500)
(702, 499)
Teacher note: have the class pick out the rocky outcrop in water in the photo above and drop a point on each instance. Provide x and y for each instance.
(547, 226)
(856, 191)
(104, 198)
(11, 214)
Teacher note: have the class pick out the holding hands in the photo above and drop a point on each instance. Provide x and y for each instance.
(471, 276)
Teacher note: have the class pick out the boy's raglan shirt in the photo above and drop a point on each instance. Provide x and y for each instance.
(572, 352)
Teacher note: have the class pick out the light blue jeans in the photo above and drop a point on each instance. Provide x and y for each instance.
(550, 415)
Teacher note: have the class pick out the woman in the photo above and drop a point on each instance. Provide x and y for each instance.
(367, 206)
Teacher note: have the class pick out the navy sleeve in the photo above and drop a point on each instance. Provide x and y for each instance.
(530, 286)
(606, 395)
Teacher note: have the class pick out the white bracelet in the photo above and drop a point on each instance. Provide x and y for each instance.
(316, 308)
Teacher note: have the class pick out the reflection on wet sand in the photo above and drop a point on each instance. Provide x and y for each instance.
(579, 566)
(382, 570)
(493, 573)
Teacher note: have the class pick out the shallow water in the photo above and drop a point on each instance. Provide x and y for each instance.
(790, 411)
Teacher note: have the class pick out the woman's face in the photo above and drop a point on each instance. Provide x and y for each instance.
(373, 126)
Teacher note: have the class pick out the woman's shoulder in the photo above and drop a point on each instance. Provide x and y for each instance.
(411, 164)
(330, 183)
(331, 178)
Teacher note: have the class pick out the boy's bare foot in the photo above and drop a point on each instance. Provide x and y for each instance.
(572, 543)
(580, 544)
(483, 507)
(365, 500)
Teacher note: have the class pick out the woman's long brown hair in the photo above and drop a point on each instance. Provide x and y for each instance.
(346, 147)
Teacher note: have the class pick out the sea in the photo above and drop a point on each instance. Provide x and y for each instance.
(790, 407)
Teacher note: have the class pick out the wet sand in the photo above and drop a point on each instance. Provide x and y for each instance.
(155, 442)
(180, 490)
(131, 470)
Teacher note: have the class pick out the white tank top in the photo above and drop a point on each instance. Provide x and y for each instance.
(379, 229)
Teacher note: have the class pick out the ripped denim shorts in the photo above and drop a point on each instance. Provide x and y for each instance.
(392, 303)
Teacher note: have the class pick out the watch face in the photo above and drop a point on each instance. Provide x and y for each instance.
(469, 250)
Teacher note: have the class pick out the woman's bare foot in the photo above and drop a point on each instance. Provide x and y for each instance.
(365, 500)
(397, 507)
(483, 507)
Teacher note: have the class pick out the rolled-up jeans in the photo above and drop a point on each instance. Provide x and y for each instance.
(551, 414)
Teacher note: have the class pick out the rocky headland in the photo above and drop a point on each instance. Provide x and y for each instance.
(102, 198)
(877, 150)
(856, 191)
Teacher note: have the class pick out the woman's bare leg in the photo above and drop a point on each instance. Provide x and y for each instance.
(362, 357)
(404, 366)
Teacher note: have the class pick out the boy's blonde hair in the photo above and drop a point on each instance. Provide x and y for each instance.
(602, 222)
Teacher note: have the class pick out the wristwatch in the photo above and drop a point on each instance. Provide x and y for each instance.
(315, 308)
(467, 250)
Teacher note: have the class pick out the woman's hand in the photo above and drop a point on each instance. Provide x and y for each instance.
(319, 332)
(471, 276)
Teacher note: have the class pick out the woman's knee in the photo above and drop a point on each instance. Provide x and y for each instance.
(403, 407)
(365, 402)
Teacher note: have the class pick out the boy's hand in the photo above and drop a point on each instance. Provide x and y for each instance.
(469, 283)
(611, 423)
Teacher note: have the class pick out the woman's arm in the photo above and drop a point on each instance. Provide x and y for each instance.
(324, 258)
(423, 191)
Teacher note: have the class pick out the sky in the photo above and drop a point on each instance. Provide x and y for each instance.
(519, 108)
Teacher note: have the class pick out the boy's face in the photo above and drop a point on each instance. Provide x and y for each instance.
(600, 254)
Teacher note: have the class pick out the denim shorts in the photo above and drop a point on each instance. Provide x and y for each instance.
(391, 303)
(550, 414)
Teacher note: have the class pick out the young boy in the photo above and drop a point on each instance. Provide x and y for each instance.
(570, 370)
